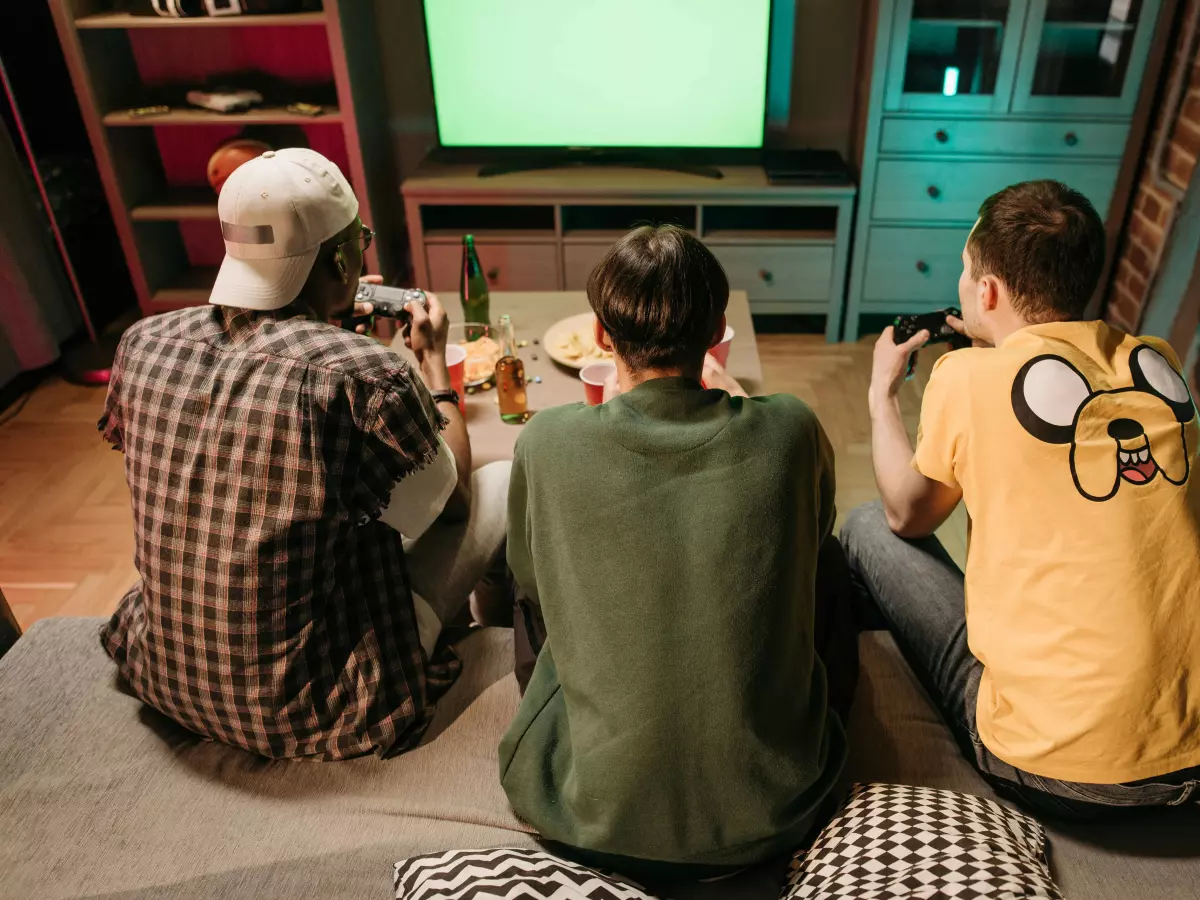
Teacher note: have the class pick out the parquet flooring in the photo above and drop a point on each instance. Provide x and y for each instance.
(66, 534)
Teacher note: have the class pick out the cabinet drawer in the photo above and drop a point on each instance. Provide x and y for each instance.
(509, 267)
(1008, 137)
(778, 273)
(578, 262)
(941, 191)
(914, 265)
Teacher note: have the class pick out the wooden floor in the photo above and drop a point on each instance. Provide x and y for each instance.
(66, 533)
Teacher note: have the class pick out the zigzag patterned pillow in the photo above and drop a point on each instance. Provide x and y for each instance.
(893, 841)
(508, 873)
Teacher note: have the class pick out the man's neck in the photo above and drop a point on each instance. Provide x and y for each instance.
(630, 378)
(1003, 330)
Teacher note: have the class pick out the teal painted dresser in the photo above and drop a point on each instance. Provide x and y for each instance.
(967, 97)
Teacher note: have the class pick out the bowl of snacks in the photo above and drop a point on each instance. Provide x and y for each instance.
(483, 351)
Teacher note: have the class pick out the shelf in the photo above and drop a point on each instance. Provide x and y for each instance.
(1126, 27)
(491, 236)
(124, 20)
(601, 236)
(960, 23)
(190, 288)
(263, 115)
(731, 237)
(178, 204)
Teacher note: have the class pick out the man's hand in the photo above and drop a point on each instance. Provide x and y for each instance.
(961, 327)
(365, 309)
(890, 364)
(426, 335)
(716, 378)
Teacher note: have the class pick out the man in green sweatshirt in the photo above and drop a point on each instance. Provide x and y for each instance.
(677, 722)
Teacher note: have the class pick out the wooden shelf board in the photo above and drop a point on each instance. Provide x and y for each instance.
(190, 288)
(958, 23)
(124, 20)
(491, 236)
(178, 204)
(735, 237)
(601, 235)
(263, 115)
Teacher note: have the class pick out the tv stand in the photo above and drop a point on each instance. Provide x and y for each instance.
(575, 159)
(538, 229)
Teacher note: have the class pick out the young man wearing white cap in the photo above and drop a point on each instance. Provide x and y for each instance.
(275, 462)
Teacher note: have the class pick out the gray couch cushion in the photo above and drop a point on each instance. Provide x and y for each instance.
(102, 797)
(896, 736)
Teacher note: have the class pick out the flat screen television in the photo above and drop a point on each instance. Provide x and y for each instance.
(597, 75)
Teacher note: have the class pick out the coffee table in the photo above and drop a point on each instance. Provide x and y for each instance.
(532, 314)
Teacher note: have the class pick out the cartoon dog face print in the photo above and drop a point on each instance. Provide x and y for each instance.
(1132, 434)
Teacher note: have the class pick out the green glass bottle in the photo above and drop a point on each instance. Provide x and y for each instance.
(473, 286)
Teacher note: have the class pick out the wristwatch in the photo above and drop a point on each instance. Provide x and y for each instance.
(445, 397)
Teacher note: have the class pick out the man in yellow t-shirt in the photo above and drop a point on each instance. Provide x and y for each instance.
(1068, 664)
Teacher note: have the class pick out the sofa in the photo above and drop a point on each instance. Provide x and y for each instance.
(102, 797)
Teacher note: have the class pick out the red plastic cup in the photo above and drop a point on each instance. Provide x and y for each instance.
(593, 378)
(456, 362)
(721, 351)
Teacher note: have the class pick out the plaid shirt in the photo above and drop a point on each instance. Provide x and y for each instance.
(274, 611)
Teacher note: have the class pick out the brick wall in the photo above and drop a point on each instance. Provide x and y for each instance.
(1145, 234)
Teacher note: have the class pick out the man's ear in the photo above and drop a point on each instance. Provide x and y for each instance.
(340, 266)
(719, 334)
(603, 341)
(990, 290)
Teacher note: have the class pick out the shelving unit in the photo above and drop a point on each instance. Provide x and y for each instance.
(787, 246)
(153, 167)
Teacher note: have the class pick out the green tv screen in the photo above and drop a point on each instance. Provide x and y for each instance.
(599, 73)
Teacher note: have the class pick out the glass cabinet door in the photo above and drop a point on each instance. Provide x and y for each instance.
(1084, 56)
(954, 54)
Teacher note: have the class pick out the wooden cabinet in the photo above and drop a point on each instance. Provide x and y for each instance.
(968, 97)
(508, 267)
(787, 246)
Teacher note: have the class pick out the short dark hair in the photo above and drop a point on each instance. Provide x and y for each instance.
(660, 294)
(1046, 242)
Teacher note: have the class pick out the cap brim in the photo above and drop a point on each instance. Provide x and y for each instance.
(262, 283)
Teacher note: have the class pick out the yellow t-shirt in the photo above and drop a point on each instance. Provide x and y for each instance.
(1075, 446)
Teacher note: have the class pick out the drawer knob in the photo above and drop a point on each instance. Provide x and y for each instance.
(493, 273)
(1071, 138)
(941, 136)
(922, 266)
(766, 275)
(933, 191)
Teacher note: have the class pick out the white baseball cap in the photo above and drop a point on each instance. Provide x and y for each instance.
(276, 210)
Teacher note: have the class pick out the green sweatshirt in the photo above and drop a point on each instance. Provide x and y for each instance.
(677, 713)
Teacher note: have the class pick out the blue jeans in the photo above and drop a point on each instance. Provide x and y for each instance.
(919, 592)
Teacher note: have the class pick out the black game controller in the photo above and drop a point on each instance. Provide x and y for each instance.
(939, 330)
(388, 302)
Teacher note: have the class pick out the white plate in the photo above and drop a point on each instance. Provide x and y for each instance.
(561, 331)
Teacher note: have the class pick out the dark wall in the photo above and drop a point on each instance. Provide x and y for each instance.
(824, 71)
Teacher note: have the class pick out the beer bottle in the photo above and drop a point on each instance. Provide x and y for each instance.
(510, 377)
(473, 286)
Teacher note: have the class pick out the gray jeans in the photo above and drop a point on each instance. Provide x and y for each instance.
(919, 591)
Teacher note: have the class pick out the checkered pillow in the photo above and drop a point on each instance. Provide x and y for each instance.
(892, 841)
(511, 874)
